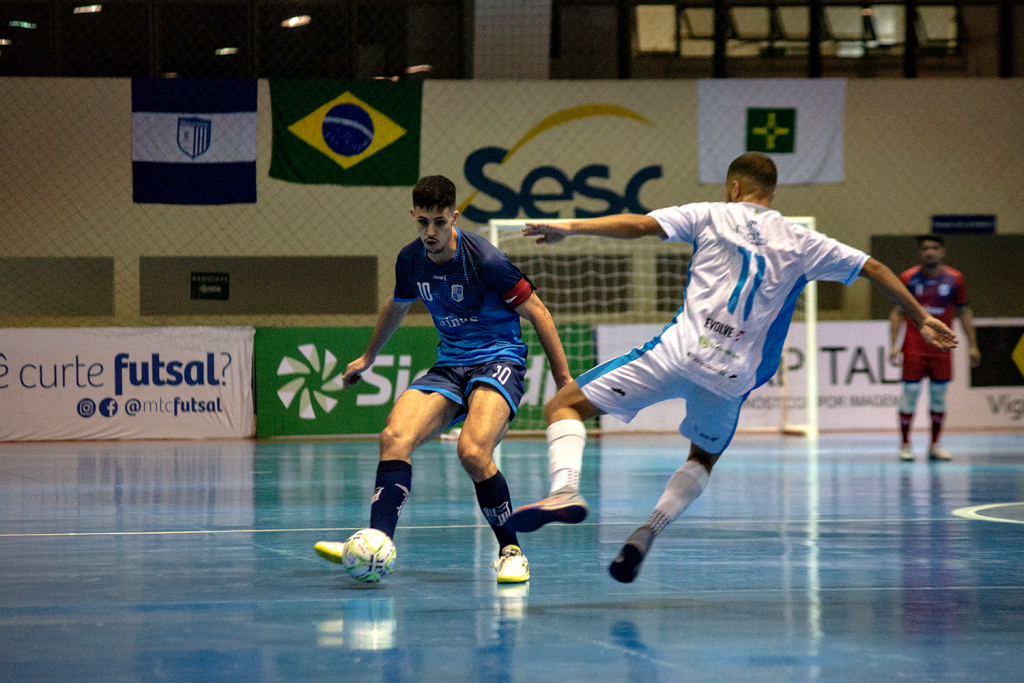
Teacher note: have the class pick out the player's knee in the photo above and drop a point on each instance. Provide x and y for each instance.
(555, 403)
(393, 440)
(908, 399)
(568, 403)
(474, 457)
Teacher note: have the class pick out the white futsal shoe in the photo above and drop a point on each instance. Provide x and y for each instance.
(512, 565)
(906, 454)
(565, 505)
(938, 453)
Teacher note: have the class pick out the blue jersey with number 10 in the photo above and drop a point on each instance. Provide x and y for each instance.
(464, 297)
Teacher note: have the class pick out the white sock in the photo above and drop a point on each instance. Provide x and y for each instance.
(566, 439)
(684, 486)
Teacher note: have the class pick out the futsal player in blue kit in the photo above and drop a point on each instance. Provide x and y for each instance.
(748, 267)
(476, 297)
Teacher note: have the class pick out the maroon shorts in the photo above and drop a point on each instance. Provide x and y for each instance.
(918, 366)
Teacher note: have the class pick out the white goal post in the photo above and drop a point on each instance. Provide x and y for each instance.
(810, 320)
(641, 281)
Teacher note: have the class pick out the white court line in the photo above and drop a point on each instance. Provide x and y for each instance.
(972, 513)
(710, 523)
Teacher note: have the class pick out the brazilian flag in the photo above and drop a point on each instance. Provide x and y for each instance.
(346, 132)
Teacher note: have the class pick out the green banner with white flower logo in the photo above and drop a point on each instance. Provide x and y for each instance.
(298, 378)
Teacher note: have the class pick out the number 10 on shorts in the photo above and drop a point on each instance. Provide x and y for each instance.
(502, 373)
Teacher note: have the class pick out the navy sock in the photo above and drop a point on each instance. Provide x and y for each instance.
(496, 504)
(394, 483)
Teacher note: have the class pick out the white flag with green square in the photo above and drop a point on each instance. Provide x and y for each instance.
(797, 122)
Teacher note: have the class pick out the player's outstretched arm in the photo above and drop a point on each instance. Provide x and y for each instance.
(623, 226)
(390, 317)
(534, 310)
(933, 330)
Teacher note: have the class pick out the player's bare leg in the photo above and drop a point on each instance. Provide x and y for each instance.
(485, 426)
(566, 437)
(685, 485)
(418, 416)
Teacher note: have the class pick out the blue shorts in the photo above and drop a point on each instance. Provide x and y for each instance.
(456, 382)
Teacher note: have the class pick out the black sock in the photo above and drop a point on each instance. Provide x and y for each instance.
(496, 504)
(394, 482)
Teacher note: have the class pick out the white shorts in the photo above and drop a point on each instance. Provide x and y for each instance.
(622, 387)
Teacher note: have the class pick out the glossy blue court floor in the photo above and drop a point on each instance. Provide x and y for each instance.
(194, 562)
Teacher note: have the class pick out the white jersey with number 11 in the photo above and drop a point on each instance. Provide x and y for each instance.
(748, 268)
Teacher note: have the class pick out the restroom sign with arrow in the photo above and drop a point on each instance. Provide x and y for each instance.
(211, 286)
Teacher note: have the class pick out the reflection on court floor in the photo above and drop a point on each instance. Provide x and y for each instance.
(189, 561)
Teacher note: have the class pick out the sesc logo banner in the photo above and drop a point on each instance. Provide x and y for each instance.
(585, 189)
(125, 383)
(298, 378)
(346, 132)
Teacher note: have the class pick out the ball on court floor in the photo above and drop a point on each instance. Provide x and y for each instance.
(369, 555)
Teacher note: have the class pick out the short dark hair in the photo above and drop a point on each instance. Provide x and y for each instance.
(757, 169)
(921, 239)
(434, 192)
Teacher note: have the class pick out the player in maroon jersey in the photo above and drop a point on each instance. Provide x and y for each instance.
(942, 292)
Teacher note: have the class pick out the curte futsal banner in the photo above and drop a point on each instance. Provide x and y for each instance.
(126, 383)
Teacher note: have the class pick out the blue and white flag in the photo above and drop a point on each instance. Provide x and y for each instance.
(797, 122)
(193, 141)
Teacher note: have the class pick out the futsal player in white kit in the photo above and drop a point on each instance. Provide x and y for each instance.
(748, 267)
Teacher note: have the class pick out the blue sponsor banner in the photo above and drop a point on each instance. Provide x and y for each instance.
(194, 141)
(974, 224)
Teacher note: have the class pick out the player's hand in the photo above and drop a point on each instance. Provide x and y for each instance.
(937, 334)
(894, 358)
(353, 370)
(546, 233)
(975, 354)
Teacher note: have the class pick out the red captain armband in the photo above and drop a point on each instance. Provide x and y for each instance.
(518, 295)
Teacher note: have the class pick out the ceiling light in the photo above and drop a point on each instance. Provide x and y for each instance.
(419, 68)
(4, 41)
(294, 22)
(21, 24)
(87, 9)
(227, 51)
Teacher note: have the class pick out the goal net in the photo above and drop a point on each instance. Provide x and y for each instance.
(588, 283)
